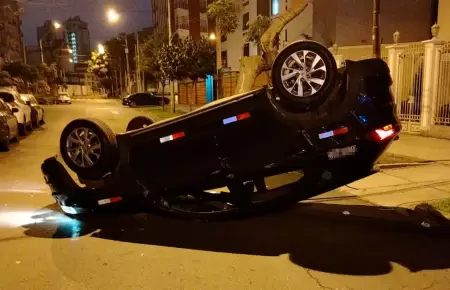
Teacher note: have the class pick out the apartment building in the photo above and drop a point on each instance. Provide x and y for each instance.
(188, 18)
(11, 37)
(78, 38)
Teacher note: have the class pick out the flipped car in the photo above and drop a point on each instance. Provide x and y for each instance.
(144, 99)
(331, 125)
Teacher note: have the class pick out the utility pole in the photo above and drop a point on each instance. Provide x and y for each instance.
(376, 43)
(169, 11)
(138, 64)
(128, 65)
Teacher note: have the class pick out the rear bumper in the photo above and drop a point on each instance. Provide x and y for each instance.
(74, 199)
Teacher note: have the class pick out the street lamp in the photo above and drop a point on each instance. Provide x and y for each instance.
(112, 15)
(57, 26)
(212, 36)
(101, 48)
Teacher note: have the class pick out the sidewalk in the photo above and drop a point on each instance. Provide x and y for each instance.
(425, 148)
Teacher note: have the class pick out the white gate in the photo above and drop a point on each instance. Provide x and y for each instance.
(409, 86)
(442, 108)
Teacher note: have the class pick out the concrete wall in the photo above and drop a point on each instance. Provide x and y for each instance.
(444, 19)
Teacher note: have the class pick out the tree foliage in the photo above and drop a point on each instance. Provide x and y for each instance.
(150, 51)
(200, 59)
(226, 14)
(172, 59)
(23, 71)
(257, 28)
(99, 64)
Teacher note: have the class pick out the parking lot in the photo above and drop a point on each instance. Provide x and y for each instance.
(313, 246)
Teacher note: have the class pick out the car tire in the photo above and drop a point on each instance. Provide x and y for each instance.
(23, 128)
(132, 104)
(17, 138)
(328, 104)
(139, 123)
(304, 74)
(4, 145)
(103, 159)
(35, 122)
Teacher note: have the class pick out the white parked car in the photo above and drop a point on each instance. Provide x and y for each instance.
(63, 98)
(13, 100)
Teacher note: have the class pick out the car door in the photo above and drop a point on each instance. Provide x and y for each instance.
(6, 112)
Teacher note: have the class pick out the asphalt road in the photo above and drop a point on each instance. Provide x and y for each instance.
(318, 245)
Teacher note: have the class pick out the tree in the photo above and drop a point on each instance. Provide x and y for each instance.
(200, 60)
(100, 66)
(50, 75)
(252, 67)
(149, 60)
(172, 60)
(225, 12)
(257, 28)
(20, 70)
(5, 79)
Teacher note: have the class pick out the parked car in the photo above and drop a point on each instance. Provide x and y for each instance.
(63, 98)
(331, 124)
(37, 112)
(144, 99)
(9, 127)
(45, 100)
(23, 114)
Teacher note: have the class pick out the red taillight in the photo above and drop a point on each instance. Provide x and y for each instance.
(383, 133)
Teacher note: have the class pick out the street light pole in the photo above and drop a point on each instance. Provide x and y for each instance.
(42, 51)
(376, 29)
(169, 17)
(128, 64)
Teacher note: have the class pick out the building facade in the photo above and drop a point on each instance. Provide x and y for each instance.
(444, 20)
(345, 22)
(78, 39)
(11, 37)
(349, 22)
(188, 18)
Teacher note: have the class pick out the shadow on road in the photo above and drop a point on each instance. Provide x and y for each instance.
(324, 237)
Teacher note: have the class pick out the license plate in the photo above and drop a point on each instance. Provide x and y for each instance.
(342, 152)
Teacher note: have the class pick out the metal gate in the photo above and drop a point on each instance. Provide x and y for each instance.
(408, 86)
(442, 108)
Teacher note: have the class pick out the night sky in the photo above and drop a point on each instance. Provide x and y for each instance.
(91, 11)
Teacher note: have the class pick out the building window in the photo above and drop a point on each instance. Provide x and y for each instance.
(275, 7)
(245, 20)
(246, 49)
(224, 58)
(204, 25)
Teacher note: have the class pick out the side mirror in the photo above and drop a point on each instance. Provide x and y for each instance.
(28, 103)
(15, 110)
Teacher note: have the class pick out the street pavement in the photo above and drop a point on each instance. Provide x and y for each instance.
(339, 240)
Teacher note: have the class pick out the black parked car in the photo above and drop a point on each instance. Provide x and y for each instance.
(331, 125)
(9, 127)
(144, 99)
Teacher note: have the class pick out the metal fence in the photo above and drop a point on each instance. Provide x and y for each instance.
(442, 109)
(409, 85)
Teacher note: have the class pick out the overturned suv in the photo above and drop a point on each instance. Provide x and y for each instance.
(326, 125)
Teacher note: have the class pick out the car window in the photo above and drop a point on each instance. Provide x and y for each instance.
(19, 99)
(7, 97)
(33, 100)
